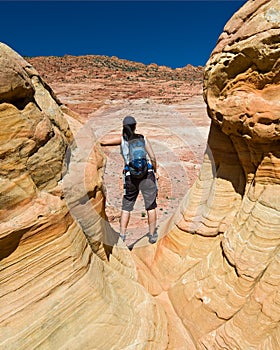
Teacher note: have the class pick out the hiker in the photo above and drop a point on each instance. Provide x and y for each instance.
(139, 175)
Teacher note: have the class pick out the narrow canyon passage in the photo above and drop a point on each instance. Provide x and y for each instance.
(178, 134)
(212, 281)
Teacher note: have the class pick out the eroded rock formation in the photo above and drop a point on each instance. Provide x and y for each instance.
(211, 281)
(219, 263)
(57, 292)
(86, 83)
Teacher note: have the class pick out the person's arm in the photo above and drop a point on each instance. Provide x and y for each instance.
(151, 155)
(109, 140)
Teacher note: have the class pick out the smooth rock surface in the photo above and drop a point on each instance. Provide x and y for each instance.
(212, 281)
(57, 292)
(218, 258)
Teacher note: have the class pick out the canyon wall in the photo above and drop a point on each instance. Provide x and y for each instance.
(212, 279)
(219, 264)
(57, 292)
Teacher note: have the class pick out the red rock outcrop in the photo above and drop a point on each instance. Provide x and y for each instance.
(219, 262)
(86, 83)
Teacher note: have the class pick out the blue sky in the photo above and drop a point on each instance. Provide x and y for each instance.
(171, 33)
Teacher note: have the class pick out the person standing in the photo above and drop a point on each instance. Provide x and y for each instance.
(139, 173)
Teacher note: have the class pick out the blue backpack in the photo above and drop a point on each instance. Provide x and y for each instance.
(138, 164)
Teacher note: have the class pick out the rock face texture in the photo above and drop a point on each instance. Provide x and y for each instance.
(57, 292)
(210, 282)
(86, 83)
(219, 263)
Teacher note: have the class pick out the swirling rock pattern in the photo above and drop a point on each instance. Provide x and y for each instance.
(57, 292)
(219, 262)
(212, 280)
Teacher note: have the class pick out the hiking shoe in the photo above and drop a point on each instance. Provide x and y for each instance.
(123, 237)
(153, 238)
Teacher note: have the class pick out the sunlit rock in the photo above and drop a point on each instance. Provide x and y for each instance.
(218, 258)
(57, 292)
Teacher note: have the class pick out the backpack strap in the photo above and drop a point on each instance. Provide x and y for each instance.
(125, 151)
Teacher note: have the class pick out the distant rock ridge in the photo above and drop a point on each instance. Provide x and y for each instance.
(59, 68)
(85, 83)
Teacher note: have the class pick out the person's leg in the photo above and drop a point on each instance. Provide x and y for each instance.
(125, 216)
(148, 188)
(152, 220)
(131, 192)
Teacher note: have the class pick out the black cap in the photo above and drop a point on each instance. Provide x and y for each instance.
(129, 120)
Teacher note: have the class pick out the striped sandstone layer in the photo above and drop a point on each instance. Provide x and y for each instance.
(219, 262)
(211, 281)
(57, 292)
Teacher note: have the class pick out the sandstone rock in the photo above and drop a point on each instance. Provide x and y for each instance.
(14, 88)
(56, 292)
(86, 83)
(219, 262)
(214, 272)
